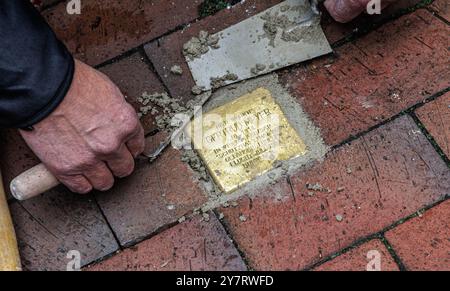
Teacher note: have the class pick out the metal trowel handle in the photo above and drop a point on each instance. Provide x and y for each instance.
(309, 16)
(315, 6)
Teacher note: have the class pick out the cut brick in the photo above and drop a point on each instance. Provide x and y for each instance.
(375, 77)
(167, 51)
(134, 77)
(423, 243)
(371, 256)
(102, 31)
(194, 245)
(436, 118)
(50, 226)
(386, 175)
(155, 196)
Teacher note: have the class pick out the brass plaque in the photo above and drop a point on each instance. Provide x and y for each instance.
(244, 139)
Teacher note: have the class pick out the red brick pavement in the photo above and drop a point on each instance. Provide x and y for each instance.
(423, 243)
(368, 185)
(375, 77)
(102, 31)
(376, 180)
(194, 245)
(50, 226)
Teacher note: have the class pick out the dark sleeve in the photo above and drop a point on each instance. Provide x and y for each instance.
(36, 69)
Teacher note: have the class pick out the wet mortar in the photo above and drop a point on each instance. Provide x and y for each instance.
(165, 109)
(176, 70)
(316, 148)
(258, 69)
(274, 22)
(162, 106)
(200, 45)
(276, 26)
(219, 82)
(197, 90)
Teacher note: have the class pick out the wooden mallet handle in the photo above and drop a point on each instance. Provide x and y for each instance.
(9, 253)
(32, 183)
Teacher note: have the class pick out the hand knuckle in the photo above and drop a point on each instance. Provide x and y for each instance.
(107, 148)
(129, 120)
(141, 147)
(85, 163)
(62, 168)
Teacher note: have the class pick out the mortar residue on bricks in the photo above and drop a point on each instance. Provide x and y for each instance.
(165, 108)
(176, 70)
(316, 149)
(161, 105)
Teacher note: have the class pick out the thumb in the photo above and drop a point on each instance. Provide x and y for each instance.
(345, 10)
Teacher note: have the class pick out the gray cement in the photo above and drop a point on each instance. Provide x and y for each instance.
(316, 148)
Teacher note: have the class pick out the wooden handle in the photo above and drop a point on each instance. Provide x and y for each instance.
(9, 253)
(32, 183)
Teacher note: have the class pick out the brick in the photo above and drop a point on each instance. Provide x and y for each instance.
(155, 196)
(102, 32)
(423, 243)
(15, 156)
(387, 175)
(436, 118)
(49, 226)
(369, 80)
(167, 51)
(361, 259)
(134, 77)
(442, 8)
(194, 245)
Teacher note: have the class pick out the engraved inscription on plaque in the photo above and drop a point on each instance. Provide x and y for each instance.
(244, 139)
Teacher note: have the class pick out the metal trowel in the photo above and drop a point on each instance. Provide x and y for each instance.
(283, 35)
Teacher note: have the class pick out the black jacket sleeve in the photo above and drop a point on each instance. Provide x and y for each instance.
(36, 69)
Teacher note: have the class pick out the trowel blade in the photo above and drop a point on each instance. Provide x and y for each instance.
(247, 50)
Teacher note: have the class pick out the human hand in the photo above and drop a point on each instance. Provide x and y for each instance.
(92, 136)
(345, 10)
